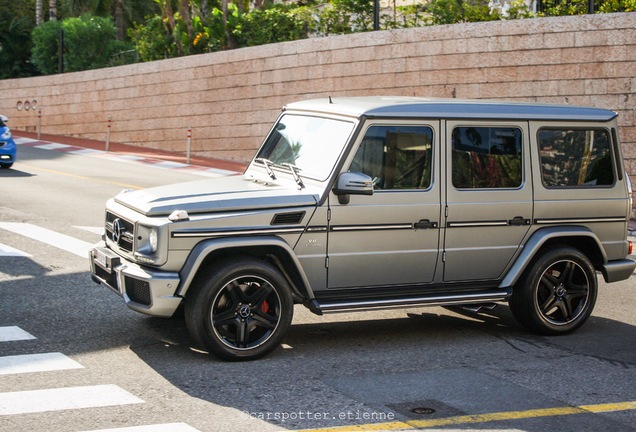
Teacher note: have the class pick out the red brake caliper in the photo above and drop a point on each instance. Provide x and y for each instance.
(265, 306)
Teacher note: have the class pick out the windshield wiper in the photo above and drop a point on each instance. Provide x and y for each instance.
(295, 170)
(268, 166)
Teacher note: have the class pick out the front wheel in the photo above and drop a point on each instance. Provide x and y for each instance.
(557, 293)
(239, 310)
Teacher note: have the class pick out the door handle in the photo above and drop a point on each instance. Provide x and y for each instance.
(424, 224)
(518, 221)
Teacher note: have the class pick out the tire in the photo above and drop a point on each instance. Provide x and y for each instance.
(239, 309)
(6, 166)
(557, 293)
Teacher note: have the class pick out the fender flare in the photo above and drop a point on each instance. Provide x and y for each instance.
(538, 239)
(204, 248)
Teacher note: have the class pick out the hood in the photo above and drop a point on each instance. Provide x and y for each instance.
(234, 193)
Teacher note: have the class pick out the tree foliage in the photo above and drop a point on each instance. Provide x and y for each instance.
(277, 24)
(46, 47)
(16, 24)
(88, 43)
(160, 29)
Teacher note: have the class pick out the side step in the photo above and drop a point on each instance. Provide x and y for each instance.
(407, 302)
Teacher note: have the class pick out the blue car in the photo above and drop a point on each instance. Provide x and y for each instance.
(7, 145)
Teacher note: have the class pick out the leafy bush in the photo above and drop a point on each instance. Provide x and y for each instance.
(277, 24)
(152, 41)
(561, 7)
(15, 46)
(45, 46)
(89, 43)
(610, 6)
(346, 16)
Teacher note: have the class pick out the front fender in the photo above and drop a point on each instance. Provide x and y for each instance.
(205, 248)
(540, 238)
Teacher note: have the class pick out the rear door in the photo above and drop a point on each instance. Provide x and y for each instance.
(489, 206)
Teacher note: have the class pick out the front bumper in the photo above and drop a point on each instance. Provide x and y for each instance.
(147, 291)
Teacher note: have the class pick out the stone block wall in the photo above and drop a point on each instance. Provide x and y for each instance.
(230, 99)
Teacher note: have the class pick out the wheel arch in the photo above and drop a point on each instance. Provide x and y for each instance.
(272, 249)
(580, 238)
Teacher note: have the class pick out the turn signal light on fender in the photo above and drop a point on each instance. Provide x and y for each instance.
(630, 248)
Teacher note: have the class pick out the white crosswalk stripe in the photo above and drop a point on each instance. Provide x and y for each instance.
(58, 240)
(14, 333)
(9, 251)
(57, 399)
(65, 398)
(166, 427)
(45, 362)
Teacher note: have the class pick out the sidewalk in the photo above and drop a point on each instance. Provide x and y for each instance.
(125, 149)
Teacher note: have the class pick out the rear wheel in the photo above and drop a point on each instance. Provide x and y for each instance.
(557, 294)
(239, 310)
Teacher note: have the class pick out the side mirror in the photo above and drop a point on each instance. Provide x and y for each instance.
(4, 119)
(352, 183)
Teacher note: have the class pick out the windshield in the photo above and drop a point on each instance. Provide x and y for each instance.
(312, 144)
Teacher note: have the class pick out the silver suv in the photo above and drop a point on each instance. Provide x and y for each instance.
(369, 203)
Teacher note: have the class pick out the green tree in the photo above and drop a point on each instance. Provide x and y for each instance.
(276, 24)
(456, 11)
(16, 24)
(45, 39)
(151, 40)
(560, 7)
(346, 16)
(610, 6)
(89, 43)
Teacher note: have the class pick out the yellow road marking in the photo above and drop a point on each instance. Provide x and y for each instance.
(483, 418)
(81, 177)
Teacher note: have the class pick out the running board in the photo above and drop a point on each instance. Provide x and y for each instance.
(408, 302)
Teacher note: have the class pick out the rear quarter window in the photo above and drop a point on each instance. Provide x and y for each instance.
(575, 157)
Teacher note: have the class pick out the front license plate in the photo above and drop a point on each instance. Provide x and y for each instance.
(100, 258)
(106, 259)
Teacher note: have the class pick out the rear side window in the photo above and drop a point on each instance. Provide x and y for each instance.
(575, 157)
(486, 157)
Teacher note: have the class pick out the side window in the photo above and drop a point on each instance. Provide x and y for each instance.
(486, 157)
(396, 157)
(575, 157)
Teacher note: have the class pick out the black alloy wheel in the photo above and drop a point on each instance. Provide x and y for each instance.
(557, 293)
(239, 310)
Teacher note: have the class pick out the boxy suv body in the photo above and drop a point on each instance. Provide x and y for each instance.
(369, 203)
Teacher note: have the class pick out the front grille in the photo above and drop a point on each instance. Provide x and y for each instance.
(120, 231)
(138, 290)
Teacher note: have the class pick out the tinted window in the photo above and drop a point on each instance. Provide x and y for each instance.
(396, 157)
(486, 157)
(575, 157)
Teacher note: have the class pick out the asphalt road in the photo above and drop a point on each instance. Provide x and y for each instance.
(74, 358)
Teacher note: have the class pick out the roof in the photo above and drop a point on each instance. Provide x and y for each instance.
(414, 107)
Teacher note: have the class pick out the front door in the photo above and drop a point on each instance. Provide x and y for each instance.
(392, 236)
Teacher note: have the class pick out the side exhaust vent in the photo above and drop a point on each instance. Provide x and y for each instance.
(288, 218)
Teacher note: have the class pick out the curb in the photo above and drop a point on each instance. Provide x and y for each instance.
(210, 168)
